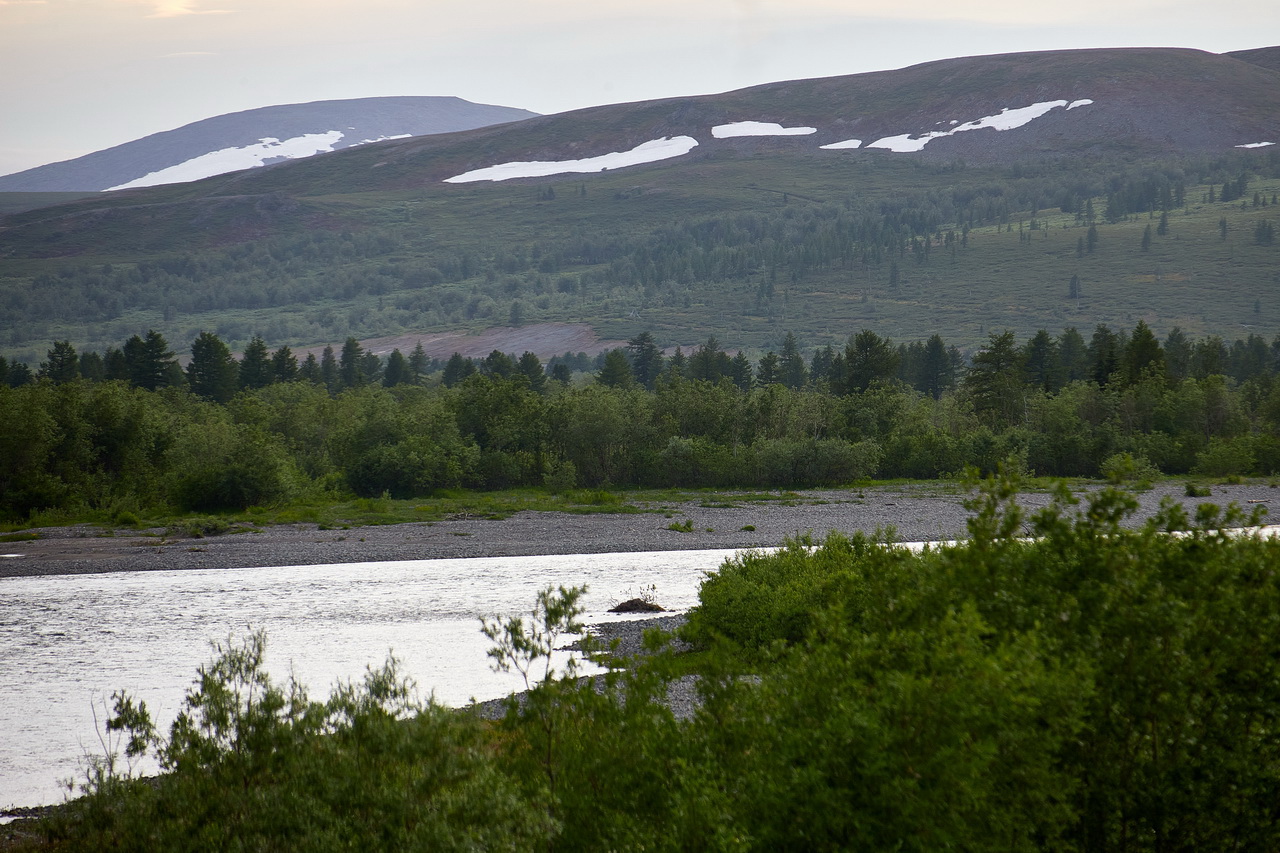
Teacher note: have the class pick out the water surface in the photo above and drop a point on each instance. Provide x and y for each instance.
(68, 641)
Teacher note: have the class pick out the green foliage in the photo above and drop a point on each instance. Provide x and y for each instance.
(251, 764)
(1092, 686)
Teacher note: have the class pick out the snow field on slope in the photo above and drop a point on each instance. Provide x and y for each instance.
(646, 152)
(247, 157)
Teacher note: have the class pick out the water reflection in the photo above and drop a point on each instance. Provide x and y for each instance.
(67, 642)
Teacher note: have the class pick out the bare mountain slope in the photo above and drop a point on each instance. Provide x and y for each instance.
(254, 137)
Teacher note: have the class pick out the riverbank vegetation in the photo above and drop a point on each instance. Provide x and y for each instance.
(135, 436)
(1091, 687)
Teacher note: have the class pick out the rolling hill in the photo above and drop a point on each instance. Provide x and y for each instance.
(958, 197)
(257, 137)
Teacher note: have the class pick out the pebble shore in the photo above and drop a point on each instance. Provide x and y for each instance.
(926, 512)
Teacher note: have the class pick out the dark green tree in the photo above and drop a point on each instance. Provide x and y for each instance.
(457, 369)
(1142, 354)
(1042, 362)
(499, 365)
(1105, 348)
(793, 372)
(996, 382)
(397, 371)
(418, 363)
(63, 364)
(284, 366)
(255, 366)
(937, 374)
(708, 361)
(769, 370)
(740, 371)
(868, 358)
(1073, 354)
(370, 368)
(350, 366)
(310, 370)
(1177, 355)
(646, 359)
(212, 372)
(530, 367)
(616, 372)
(92, 367)
(329, 370)
(150, 362)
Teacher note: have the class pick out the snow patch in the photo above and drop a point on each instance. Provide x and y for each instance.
(1081, 103)
(235, 159)
(1256, 145)
(647, 152)
(836, 146)
(380, 139)
(1007, 119)
(758, 128)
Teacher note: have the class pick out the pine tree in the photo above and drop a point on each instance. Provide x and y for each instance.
(63, 364)
(768, 372)
(329, 370)
(457, 369)
(868, 358)
(1146, 239)
(995, 381)
(417, 363)
(350, 374)
(284, 366)
(255, 366)
(530, 367)
(616, 372)
(646, 359)
(212, 372)
(310, 370)
(792, 365)
(740, 371)
(397, 371)
(150, 362)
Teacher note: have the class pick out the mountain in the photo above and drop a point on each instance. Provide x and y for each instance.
(1267, 57)
(255, 138)
(959, 197)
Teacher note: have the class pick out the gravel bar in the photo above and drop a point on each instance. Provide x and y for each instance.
(925, 512)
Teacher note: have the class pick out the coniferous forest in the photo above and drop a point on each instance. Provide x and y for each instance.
(130, 430)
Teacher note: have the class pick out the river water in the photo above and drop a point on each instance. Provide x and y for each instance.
(68, 641)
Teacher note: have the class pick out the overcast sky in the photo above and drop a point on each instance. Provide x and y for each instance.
(81, 75)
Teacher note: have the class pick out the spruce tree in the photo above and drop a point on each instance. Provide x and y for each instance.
(255, 366)
(63, 364)
(212, 372)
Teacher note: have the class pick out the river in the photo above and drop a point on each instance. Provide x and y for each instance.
(68, 641)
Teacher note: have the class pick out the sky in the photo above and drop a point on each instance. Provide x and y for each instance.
(78, 76)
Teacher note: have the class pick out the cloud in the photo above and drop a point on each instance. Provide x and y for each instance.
(181, 8)
(23, 2)
(185, 53)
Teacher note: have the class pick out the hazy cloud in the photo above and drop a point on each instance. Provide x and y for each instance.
(179, 8)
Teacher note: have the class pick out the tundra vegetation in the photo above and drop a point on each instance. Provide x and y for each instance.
(1090, 687)
(752, 246)
(131, 435)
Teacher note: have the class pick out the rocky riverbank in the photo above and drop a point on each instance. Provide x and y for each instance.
(926, 512)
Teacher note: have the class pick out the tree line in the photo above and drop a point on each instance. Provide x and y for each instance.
(228, 434)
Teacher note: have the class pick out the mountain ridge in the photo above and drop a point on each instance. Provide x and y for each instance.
(358, 120)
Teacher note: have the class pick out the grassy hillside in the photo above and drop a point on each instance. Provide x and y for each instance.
(746, 239)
